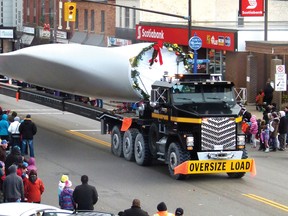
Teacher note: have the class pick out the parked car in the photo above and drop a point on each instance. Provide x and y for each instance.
(4, 79)
(93, 213)
(31, 209)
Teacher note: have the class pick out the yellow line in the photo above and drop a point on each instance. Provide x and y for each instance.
(266, 201)
(75, 133)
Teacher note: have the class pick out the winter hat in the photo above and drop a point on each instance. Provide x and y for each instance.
(64, 178)
(162, 207)
(17, 119)
(4, 142)
(28, 116)
(179, 211)
(68, 183)
(136, 203)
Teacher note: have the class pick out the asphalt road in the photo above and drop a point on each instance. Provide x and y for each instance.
(71, 144)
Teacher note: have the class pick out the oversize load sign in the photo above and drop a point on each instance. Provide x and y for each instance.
(216, 166)
(251, 7)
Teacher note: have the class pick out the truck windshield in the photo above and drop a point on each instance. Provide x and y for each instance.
(214, 93)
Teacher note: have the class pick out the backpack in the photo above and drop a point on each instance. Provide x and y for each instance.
(245, 127)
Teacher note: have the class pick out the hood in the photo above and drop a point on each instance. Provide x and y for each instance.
(5, 117)
(12, 169)
(31, 161)
(253, 119)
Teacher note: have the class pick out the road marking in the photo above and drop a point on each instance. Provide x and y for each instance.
(267, 201)
(89, 138)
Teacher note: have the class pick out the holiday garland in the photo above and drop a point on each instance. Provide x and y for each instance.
(156, 52)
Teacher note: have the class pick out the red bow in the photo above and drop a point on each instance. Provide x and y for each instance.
(157, 52)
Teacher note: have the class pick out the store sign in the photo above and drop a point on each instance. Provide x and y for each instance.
(210, 39)
(112, 41)
(251, 7)
(6, 33)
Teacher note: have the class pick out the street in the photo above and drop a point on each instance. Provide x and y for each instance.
(71, 144)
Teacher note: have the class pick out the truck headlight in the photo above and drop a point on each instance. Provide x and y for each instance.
(241, 140)
(190, 141)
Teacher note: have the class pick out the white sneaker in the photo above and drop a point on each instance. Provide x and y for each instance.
(267, 150)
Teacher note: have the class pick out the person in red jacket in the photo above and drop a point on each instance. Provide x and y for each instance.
(33, 188)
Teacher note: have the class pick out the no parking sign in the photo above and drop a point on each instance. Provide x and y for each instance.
(280, 78)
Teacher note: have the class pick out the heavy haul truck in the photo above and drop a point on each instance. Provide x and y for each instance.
(191, 122)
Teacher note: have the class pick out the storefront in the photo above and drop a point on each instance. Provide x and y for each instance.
(7, 36)
(224, 48)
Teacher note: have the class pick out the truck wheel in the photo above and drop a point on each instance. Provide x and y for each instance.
(153, 138)
(128, 143)
(176, 156)
(116, 142)
(141, 150)
(239, 174)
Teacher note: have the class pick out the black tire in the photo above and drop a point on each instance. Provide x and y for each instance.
(128, 144)
(116, 141)
(141, 150)
(176, 156)
(153, 138)
(239, 174)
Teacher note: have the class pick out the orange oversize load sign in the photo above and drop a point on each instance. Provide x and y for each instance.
(216, 166)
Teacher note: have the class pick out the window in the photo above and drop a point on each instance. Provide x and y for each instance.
(85, 20)
(102, 21)
(34, 11)
(134, 19)
(127, 17)
(92, 20)
(28, 11)
(120, 17)
(77, 19)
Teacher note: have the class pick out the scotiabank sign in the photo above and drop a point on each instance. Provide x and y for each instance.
(251, 7)
(220, 40)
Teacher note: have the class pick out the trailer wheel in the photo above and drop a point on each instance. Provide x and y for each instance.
(116, 141)
(176, 156)
(128, 143)
(141, 150)
(239, 174)
(153, 138)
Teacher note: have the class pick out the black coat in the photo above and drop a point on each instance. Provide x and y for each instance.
(85, 196)
(27, 129)
(135, 211)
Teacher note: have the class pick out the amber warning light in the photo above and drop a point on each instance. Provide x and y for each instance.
(70, 11)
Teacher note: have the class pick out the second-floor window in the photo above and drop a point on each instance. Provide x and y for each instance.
(92, 20)
(85, 19)
(102, 21)
(77, 19)
(127, 17)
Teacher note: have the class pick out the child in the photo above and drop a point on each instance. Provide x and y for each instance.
(253, 130)
(265, 136)
(259, 100)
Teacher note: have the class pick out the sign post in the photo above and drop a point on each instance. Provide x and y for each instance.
(195, 43)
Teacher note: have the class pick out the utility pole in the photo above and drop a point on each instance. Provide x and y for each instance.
(55, 22)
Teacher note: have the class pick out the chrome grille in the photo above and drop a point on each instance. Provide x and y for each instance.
(218, 134)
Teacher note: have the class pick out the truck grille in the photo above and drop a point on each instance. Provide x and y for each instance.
(218, 134)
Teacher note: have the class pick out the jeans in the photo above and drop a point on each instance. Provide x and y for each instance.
(24, 145)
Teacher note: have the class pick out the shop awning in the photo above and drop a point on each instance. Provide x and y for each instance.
(78, 37)
(268, 47)
(26, 39)
(95, 40)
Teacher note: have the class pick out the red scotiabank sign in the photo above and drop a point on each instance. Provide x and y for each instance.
(251, 7)
(219, 40)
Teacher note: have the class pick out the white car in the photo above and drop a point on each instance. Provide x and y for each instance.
(31, 209)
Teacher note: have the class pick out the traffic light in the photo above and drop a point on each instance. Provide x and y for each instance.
(70, 11)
